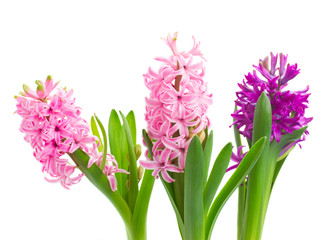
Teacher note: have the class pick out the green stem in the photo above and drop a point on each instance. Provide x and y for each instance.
(241, 207)
(242, 187)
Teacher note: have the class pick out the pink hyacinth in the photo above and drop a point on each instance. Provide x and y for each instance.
(53, 126)
(110, 168)
(176, 108)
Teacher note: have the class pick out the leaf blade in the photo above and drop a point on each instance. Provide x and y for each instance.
(219, 169)
(133, 176)
(237, 177)
(193, 191)
(95, 131)
(207, 156)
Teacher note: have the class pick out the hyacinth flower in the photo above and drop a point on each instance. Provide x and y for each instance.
(179, 146)
(264, 107)
(53, 126)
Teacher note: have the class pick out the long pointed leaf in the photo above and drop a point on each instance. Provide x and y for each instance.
(105, 143)
(132, 125)
(207, 156)
(219, 169)
(114, 133)
(259, 179)
(235, 180)
(206, 131)
(95, 131)
(242, 187)
(140, 211)
(193, 192)
(133, 176)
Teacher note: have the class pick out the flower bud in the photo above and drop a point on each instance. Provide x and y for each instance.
(140, 172)
(137, 151)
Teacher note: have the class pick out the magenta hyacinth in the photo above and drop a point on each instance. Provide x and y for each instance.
(53, 126)
(176, 108)
(288, 107)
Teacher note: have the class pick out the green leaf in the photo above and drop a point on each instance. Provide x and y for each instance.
(235, 180)
(242, 187)
(178, 187)
(133, 176)
(207, 156)
(132, 125)
(116, 147)
(241, 206)
(193, 192)
(105, 143)
(219, 169)
(286, 139)
(276, 148)
(140, 211)
(101, 182)
(124, 159)
(259, 179)
(148, 142)
(96, 133)
(206, 131)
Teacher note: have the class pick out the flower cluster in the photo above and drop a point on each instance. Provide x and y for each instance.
(53, 126)
(109, 169)
(288, 107)
(176, 108)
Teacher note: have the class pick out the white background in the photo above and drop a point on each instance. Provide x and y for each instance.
(101, 49)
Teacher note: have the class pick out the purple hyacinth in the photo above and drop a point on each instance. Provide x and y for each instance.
(288, 107)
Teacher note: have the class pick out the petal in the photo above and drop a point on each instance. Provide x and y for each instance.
(166, 176)
(151, 165)
(113, 182)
